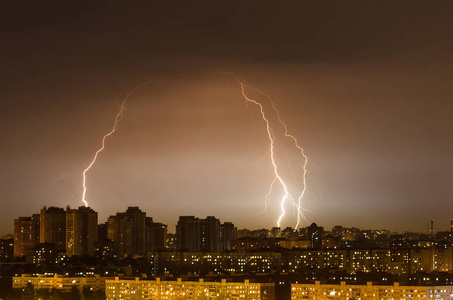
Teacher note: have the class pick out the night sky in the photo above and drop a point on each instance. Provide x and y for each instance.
(364, 86)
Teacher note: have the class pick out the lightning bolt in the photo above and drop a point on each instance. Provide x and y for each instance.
(301, 150)
(268, 195)
(118, 119)
(63, 176)
(287, 197)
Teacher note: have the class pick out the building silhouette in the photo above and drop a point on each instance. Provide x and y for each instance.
(194, 234)
(26, 236)
(6, 249)
(81, 231)
(276, 232)
(46, 254)
(156, 235)
(228, 235)
(315, 233)
(189, 234)
(53, 226)
(127, 230)
(211, 239)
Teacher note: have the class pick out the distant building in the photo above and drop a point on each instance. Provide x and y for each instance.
(243, 233)
(104, 247)
(261, 233)
(81, 231)
(211, 238)
(127, 230)
(315, 234)
(61, 283)
(26, 236)
(276, 232)
(298, 244)
(46, 254)
(102, 234)
(53, 226)
(369, 291)
(289, 233)
(6, 249)
(194, 234)
(228, 234)
(189, 234)
(205, 263)
(171, 242)
(156, 235)
(303, 233)
(156, 289)
(345, 234)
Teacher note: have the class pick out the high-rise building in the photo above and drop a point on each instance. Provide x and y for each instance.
(228, 234)
(53, 226)
(211, 240)
(194, 234)
(104, 247)
(189, 234)
(6, 249)
(138, 218)
(276, 232)
(26, 236)
(156, 235)
(81, 231)
(119, 231)
(127, 230)
(102, 234)
(315, 234)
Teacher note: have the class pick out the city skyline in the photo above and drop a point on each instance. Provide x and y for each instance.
(432, 226)
(64, 251)
(364, 87)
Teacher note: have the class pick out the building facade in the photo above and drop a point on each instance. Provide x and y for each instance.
(53, 227)
(60, 282)
(194, 234)
(228, 235)
(127, 230)
(26, 235)
(156, 236)
(81, 231)
(369, 291)
(315, 234)
(6, 249)
(157, 290)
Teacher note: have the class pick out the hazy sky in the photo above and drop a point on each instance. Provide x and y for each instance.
(365, 87)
